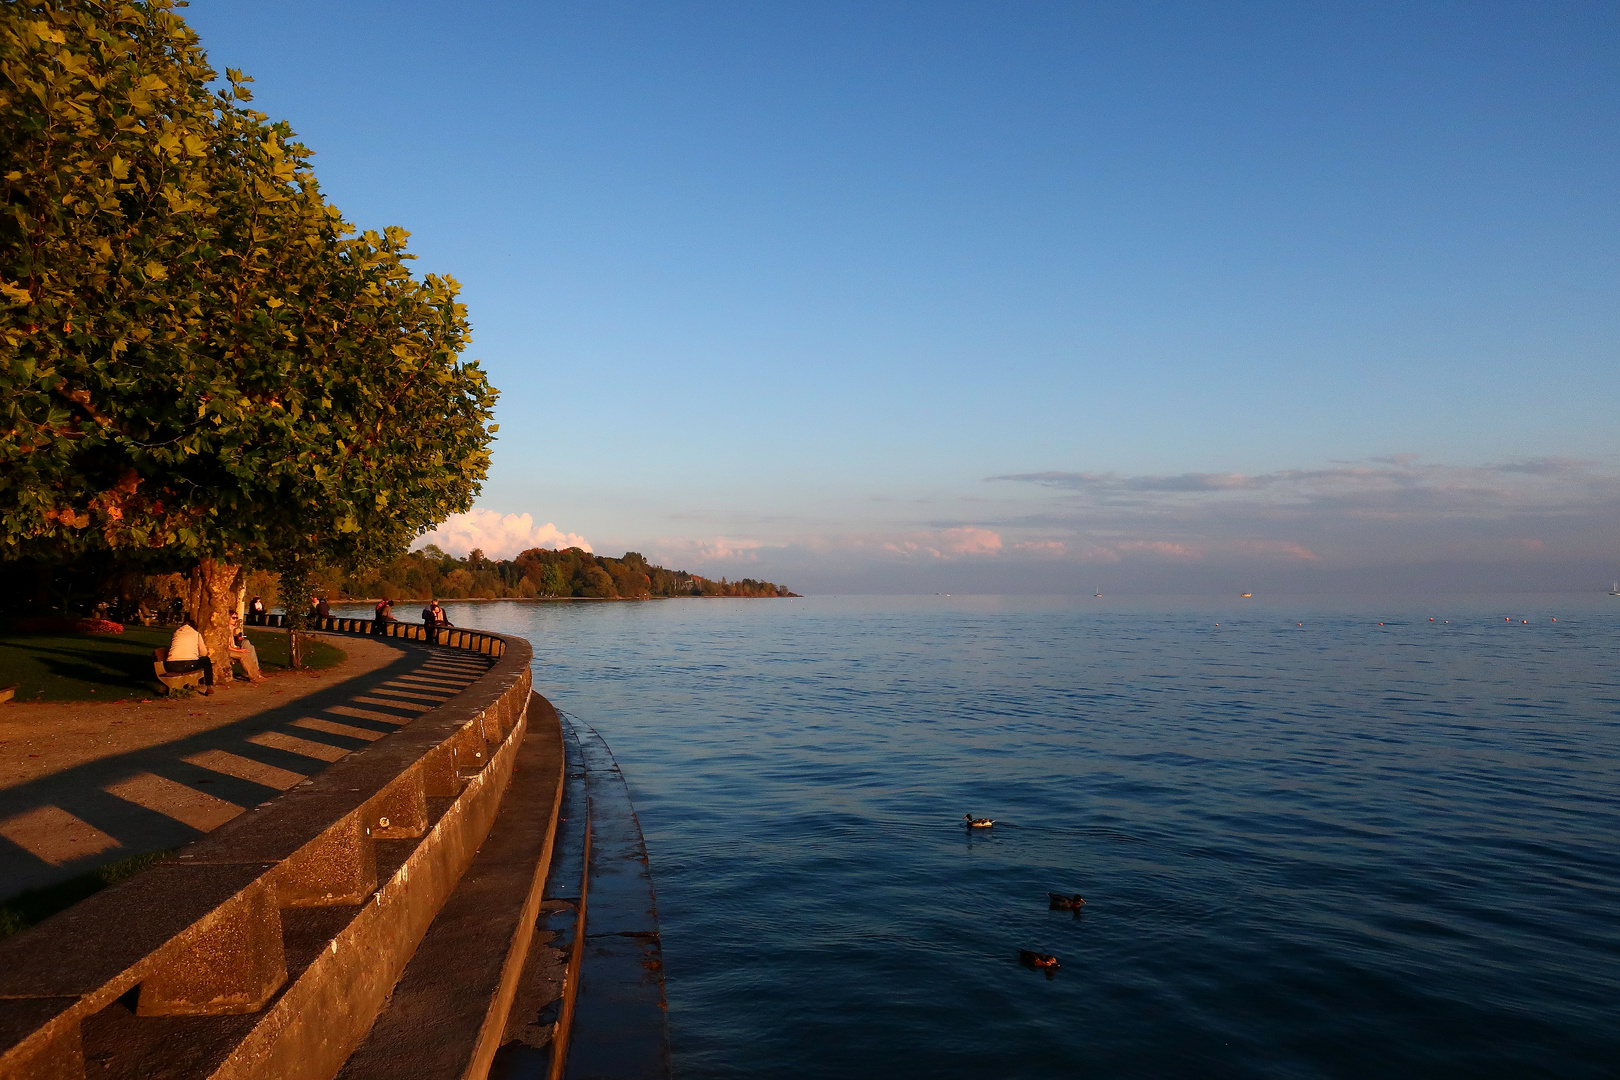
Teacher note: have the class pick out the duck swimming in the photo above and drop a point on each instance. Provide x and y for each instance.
(1039, 961)
(1066, 903)
(978, 822)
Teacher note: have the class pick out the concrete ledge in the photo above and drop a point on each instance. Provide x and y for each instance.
(446, 1016)
(267, 948)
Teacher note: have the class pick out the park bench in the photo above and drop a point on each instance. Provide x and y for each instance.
(173, 679)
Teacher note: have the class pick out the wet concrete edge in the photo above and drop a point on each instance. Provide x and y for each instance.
(603, 992)
(620, 1025)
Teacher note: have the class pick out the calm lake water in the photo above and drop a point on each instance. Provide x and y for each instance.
(1337, 849)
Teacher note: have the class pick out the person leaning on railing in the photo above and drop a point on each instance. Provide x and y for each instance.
(189, 652)
(433, 617)
(384, 616)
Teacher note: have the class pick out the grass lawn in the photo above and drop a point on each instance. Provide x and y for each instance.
(37, 905)
(106, 667)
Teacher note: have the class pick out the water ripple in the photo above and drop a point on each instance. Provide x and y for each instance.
(1336, 850)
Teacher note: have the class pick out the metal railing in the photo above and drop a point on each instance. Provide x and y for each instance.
(477, 641)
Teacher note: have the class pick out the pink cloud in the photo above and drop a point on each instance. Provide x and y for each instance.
(497, 535)
(1162, 549)
(1282, 548)
(1494, 548)
(708, 549)
(946, 543)
(968, 541)
(1195, 552)
(1053, 548)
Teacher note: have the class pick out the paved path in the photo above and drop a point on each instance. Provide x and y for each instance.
(83, 786)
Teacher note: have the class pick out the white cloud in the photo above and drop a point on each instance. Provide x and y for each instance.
(499, 536)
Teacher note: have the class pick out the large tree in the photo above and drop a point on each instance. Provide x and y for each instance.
(203, 363)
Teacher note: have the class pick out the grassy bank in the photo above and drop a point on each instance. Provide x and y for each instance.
(107, 667)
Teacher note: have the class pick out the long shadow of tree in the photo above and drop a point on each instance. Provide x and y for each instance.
(82, 790)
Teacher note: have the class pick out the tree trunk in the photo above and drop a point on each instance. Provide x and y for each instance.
(294, 587)
(194, 597)
(212, 598)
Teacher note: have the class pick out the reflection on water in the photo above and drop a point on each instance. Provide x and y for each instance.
(1332, 849)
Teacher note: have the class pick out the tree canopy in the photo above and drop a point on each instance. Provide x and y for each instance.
(202, 358)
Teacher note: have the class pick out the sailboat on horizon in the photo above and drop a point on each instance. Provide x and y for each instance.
(1614, 588)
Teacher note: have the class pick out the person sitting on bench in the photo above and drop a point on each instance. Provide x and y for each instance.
(189, 652)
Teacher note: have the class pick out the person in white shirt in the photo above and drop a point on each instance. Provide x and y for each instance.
(189, 652)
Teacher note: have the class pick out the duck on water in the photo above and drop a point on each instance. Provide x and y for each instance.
(1039, 961)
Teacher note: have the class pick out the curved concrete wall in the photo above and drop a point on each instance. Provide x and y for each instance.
(267, 948)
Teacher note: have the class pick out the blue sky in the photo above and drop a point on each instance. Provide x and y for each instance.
(1294, 296)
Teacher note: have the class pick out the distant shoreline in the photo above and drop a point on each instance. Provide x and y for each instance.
(553, 599)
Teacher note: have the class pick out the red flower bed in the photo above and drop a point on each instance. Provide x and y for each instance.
(47, 624)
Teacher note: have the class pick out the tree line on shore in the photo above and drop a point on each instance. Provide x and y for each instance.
(535, 574)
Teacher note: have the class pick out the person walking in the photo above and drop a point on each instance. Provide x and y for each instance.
(189, 652)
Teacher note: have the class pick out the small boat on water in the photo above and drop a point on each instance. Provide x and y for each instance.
(1614, 588)
(1246, 595)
